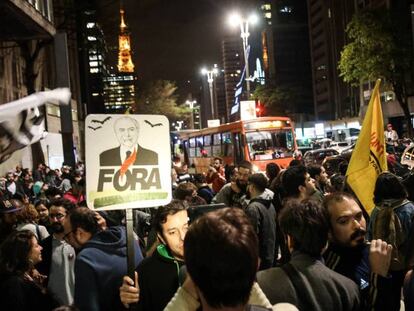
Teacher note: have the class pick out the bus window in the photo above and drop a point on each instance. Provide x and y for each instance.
(192, 148)
(217, 145)
(228, 145)
(268, 145)
(199, 147)
(186, 151)
(207, 145)
(239, 155)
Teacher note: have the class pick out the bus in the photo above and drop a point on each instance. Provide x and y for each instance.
(259, 141)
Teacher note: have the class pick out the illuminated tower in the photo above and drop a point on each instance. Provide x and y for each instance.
(125, 63)
(119, 91)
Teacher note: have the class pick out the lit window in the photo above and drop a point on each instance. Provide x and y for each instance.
(95, 94)
(91, 38)
(93, 70)
(268, 15)
(93, 57)
(93, 64)
(286, 9)
(90, 25)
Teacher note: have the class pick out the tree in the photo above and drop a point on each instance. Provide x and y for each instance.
(276, 100)
(158, 97)
(376, 51)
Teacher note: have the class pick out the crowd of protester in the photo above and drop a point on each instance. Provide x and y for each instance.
(231, 239)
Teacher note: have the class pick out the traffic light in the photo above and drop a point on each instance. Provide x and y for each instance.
(259, 109)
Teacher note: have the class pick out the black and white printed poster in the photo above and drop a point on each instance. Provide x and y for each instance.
(128, 161)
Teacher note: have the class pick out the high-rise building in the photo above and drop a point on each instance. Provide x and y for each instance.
(119, 90)
(92, 54)
(286, 56)
(333, 99)
(220, 97)
(233, 62)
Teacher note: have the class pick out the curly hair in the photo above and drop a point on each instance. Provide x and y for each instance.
(28, 214)
(14, 253)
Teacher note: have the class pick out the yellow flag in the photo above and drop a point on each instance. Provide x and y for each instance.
(369, 157)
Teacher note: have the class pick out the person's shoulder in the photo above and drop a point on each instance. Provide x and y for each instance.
(142, 149)
(269, 275)
(46, 242)
(148, 262)
(155, 264)
(226, 188)
(110, 151)
(339, 279)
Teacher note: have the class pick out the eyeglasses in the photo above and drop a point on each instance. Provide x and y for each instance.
(57, 216)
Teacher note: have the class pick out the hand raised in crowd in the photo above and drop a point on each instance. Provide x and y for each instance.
(211, 171)
(128, 292)
(380, 257)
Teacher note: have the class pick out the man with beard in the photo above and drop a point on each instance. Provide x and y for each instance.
(233, 193)
(297, 183)
(349, 254)
(318, 173)
(215, 175)
(58, 256)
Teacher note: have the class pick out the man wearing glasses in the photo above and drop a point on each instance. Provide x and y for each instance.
(58, 256)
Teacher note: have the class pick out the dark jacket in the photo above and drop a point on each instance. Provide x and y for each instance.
(354, 264)
(158, 278)
(112, 157)
(17, 294)
(206, 193)
(262, 214)
(327, 289)
(99, 269)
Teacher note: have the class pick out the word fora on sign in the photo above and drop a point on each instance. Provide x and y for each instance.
(134, 179)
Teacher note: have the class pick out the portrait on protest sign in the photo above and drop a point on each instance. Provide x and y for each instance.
(129, 167)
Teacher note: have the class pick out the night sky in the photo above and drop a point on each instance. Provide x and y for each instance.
(171, 39)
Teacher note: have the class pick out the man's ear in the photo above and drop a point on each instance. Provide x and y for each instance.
(302, 189)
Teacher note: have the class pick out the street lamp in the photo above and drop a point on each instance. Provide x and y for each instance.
(234, 20)
(191, 103)
(211, 73)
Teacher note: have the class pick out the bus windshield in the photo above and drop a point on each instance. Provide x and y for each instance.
(270, 144)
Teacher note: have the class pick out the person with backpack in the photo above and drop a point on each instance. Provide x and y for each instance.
(391, 221)
(262, 215)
